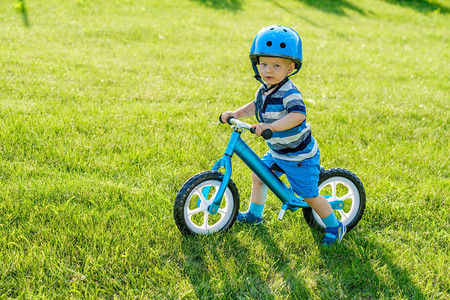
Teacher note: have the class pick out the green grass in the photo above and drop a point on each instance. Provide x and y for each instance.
(107, 107)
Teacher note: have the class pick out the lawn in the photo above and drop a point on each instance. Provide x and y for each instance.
(108, 107)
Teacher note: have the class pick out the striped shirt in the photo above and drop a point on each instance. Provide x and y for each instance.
(297, 143)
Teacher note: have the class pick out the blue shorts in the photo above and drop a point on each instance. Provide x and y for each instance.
(303, 176)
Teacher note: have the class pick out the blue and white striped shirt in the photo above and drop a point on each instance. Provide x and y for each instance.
(297, 143)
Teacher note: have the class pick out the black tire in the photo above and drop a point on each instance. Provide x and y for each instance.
(190, 210)
(348, 188)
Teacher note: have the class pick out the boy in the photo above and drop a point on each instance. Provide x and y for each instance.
(279, 107)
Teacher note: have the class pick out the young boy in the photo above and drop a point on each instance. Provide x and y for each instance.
(279, 106)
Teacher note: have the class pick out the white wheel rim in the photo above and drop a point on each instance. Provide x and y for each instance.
(225, 211)
(351, 199)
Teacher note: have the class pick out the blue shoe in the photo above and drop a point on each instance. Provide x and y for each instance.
(248, 218)
(334, 234)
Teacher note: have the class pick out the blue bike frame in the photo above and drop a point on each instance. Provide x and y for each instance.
(251, 159)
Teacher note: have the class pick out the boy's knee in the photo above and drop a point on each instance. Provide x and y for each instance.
(256, 179)
(310, 200)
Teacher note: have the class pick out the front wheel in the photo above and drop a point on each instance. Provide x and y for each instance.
(196, 195)
(340, 184)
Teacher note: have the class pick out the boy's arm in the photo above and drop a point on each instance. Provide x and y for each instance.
(247, 110)
(287, 122)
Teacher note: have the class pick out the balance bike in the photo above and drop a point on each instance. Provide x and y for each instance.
(209, 201)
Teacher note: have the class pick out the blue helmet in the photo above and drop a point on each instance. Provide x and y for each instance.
(277, 41)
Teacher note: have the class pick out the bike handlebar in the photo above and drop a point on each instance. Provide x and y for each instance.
(266, 134)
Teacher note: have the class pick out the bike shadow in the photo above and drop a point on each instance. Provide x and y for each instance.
(230, 266)
(370, 266)
(254, 263)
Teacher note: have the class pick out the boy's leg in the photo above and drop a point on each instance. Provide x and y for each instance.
(304, 178)
(334, 229)
(259, 191)
(257, 198)
(257, 201)
(321, 206)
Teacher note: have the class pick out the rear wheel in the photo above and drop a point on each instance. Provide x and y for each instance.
(196, 195)
(340, 184)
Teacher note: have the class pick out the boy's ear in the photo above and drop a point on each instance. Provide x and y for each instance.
(291, 67)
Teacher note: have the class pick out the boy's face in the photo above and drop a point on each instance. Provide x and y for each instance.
(274, 69)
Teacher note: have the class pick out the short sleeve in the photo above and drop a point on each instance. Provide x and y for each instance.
(293, 102)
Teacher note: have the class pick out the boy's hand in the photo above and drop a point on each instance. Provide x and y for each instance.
(224, 117)
(259, 128)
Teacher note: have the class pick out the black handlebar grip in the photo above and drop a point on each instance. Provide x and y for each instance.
(228, 120)
(267, 134)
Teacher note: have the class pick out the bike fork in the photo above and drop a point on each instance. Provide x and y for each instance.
(224, 162)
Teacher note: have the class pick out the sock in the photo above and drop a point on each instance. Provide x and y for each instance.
(257, 209)
(331, 220)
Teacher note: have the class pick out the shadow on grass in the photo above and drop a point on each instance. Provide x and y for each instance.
(423, 6)
(242, 275)
(232, 5)
(353, 270)
(22, 8)
(220, 266)
(336, 7)
(296, 284)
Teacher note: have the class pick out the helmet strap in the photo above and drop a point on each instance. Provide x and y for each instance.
(258, 76)
(259, 100)
(296, 71)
